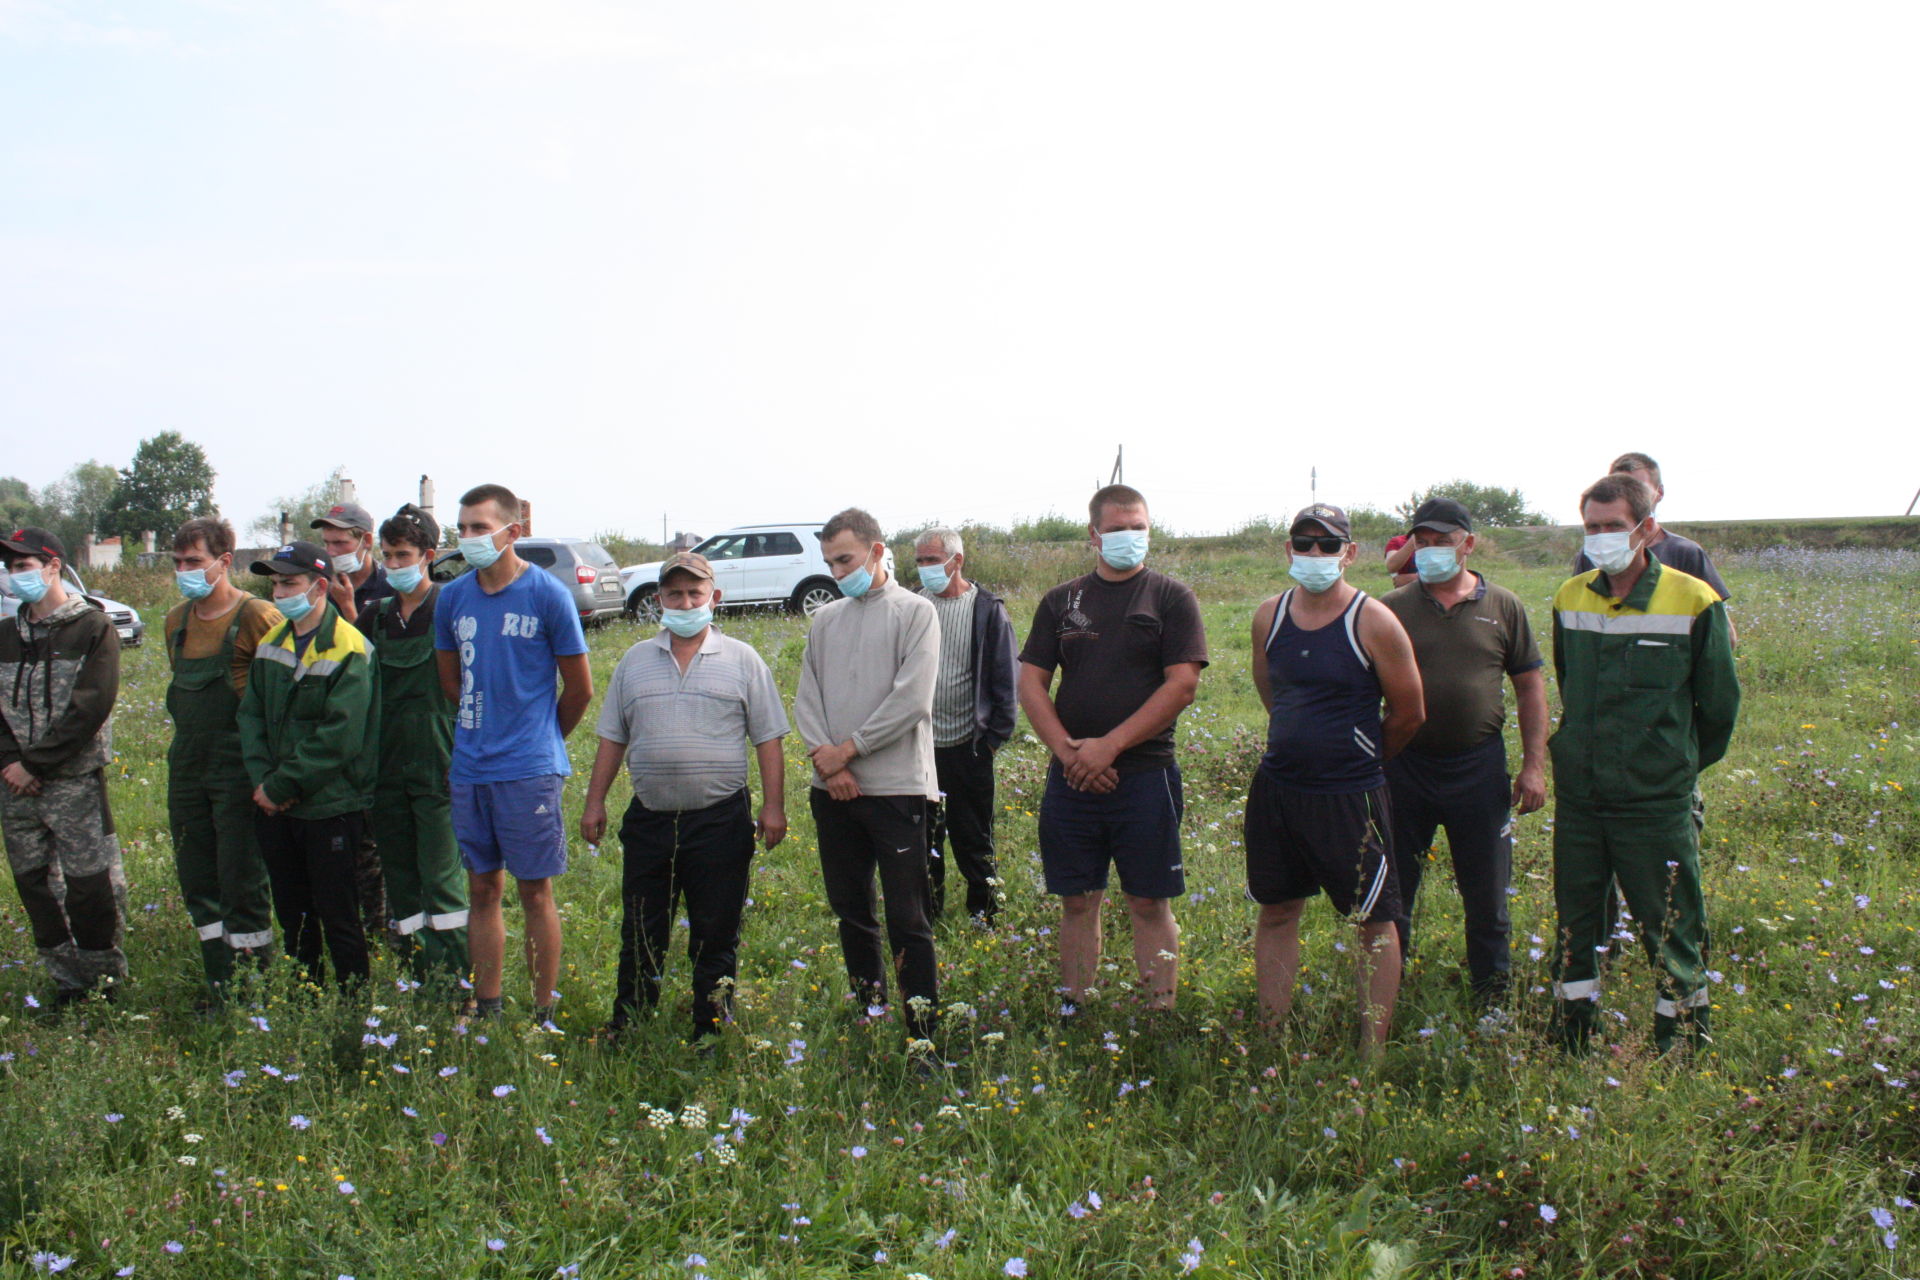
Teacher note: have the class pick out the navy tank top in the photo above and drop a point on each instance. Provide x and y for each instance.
(1324, 730)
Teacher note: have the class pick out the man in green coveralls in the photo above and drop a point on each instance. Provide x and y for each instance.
(1649, 698)
(210, 641)
(412, 815)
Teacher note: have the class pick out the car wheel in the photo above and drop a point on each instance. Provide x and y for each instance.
(644, 605)
(810, 595)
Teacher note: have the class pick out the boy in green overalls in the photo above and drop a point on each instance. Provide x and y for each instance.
(412, 817)
(210, 639)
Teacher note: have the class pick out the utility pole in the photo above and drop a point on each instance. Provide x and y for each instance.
(1313, 487)
(1119, 454)
(1914, 503)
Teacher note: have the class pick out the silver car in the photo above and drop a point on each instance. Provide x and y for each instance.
(588, 572)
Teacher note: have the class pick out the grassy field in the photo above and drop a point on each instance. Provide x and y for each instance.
(303, 1138)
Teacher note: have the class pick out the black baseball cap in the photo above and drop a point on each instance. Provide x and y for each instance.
(1328, 517)
(296, 557)
(345, 515)
(32, 541)
(1443, 515)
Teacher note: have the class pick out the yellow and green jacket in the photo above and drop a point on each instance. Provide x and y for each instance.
(1647, 689)
(309, 725)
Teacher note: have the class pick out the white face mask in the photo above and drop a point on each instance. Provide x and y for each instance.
(1610, 552)
(349, 563)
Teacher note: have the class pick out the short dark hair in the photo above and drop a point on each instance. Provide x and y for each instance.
(410, 526)
(211, 532)
(1114, 495)
(1617, 486)
(1634, 461)
(499, 495)
(855, 521)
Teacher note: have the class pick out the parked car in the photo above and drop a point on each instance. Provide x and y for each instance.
(126, 619)
(755, 564)
(585, 568)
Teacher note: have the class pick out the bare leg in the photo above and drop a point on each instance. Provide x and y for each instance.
(543, 938)
(1276, 957)
(1079, 941)
(486, 931)
(1156, 949)
(1379, 965)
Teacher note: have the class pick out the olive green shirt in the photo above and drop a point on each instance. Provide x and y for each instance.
(1465, 655)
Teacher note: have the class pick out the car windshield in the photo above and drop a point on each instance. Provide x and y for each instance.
(723, 546)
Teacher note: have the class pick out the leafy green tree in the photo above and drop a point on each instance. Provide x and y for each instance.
(301, 508)
(169, 482)
(18, 506)
(1500, 508)
(76, 502)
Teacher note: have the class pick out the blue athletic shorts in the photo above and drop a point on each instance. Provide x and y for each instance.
(516, 825)
(1136, 827)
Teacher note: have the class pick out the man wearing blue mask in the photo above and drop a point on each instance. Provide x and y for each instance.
(1469, 637)
(1317, 817)
(59, 677)
(513, 659)
(1129, 646)
(973, 715)
(1649, 699)
(677, 711)
(210, 640)
(864, 708)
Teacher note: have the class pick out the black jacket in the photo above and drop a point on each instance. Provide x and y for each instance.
(994, 699)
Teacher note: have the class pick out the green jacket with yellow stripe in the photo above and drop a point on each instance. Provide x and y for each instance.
(309, 727)
(1647, 689)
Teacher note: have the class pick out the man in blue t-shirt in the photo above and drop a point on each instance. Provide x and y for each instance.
(500, 634)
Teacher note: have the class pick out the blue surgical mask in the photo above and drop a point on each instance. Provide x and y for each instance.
(193, 583)
(1316, 573)
(405, 580)
(28, 585)
(687, 623)
(479, 552)
(1124, 548)
(934, 577)
(857, 583)
(294, 608)
(1436, 564)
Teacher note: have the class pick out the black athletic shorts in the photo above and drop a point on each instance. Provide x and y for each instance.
(1136, 827)
(1302, 842)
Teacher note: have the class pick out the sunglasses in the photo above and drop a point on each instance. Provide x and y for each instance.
(1326, 546)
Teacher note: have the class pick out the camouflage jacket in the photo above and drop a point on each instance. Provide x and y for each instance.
(58, 679)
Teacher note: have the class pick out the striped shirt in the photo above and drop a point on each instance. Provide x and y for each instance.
(686, 734)
(953, 693)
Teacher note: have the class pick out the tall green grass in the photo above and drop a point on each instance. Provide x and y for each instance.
(808, 1146)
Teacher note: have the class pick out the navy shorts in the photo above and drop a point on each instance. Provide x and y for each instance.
(516, 825)
(1301, 842)
(1136, 827)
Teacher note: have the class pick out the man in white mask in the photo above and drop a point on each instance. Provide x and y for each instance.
(1129, 645)
(1649, 699)
(1469, 638)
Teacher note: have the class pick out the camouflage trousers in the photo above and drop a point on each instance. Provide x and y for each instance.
(66, 863)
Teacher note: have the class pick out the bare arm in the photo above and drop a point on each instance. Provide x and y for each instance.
(1400, 559)
(449, 664)
(576, 690)
(1530, 788)
(772, 759)
(1392, 653)
(606, 767)
(1262, 678)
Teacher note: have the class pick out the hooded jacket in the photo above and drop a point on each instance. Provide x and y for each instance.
(59, 677)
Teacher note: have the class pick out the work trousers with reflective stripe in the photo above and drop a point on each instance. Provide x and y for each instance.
(223, 878)
(1656, 863)
(426, 887)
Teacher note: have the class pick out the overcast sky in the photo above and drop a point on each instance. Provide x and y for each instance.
(732, 263)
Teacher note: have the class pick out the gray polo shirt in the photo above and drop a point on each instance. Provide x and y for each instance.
(686, 734)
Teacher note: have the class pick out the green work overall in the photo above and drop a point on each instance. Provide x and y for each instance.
(210, 809)
(412, 814)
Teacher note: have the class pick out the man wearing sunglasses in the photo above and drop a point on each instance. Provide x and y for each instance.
(1469, 637)
(1324, 655)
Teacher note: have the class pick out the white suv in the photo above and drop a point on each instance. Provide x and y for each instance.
(753, 564)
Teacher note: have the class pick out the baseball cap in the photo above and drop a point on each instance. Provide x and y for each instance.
(1443, 515)
(296, 557)
(1330, 518)
(688, 561)
(345, 515)
(32, 541)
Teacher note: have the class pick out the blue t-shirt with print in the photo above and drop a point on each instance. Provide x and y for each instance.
(508, 724)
